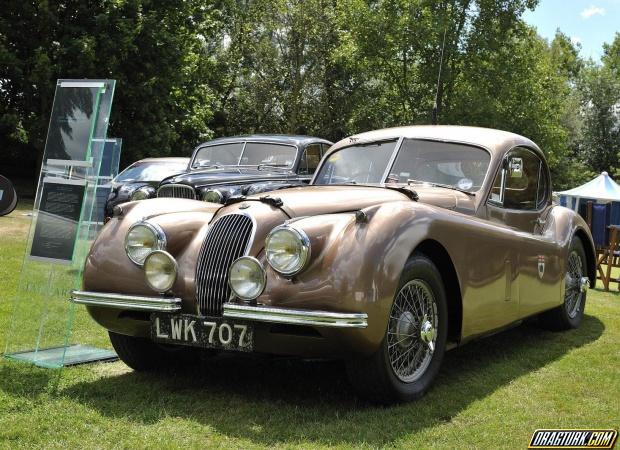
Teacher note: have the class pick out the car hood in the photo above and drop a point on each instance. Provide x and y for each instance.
(313, 200)
(206, 177)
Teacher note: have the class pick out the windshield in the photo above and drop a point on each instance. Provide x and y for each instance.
(360, 164)
(457, 165)
(246, 154)
(150, 171)
(418, 161)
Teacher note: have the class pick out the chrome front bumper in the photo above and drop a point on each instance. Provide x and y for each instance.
(231, 310)
(295, 316)
(130, 302)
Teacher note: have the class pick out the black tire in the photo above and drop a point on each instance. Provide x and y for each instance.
(569, 314)
(374, 377)
(143, 355)
(8, 200)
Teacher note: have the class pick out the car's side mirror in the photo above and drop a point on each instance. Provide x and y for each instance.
(515, 167)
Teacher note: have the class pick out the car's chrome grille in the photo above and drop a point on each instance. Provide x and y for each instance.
(176, 191)
(227, 240)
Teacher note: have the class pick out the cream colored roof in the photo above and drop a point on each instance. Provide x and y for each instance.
(494, 140)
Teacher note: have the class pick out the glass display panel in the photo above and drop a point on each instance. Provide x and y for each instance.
(61, 229)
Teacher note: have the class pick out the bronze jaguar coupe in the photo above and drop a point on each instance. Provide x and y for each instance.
(408, 241)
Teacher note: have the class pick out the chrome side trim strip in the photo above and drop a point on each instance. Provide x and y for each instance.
(295, 316)
(130, 302)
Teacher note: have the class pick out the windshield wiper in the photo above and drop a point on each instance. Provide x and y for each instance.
(208, 166)
(413, 195)
(441, 185)
(275, 166)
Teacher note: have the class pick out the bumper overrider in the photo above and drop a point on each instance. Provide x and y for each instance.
(268, 314)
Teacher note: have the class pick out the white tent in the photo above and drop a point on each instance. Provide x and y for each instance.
(601, 188)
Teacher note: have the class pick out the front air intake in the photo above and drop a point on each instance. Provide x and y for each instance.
(228, 239)
(176, 191)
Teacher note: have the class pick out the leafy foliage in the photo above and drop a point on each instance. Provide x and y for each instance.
(153, 48)
(191, 70)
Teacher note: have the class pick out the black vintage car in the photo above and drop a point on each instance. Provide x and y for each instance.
(139, 181)
(244, 165)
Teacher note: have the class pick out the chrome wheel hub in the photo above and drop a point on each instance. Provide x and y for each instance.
(427, 334)
(412, 331)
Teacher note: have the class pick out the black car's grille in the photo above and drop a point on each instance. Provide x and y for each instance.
(176, 191)
(226, 241)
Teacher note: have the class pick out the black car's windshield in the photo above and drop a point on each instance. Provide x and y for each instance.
(150, 171)
(454, 165)
(246, 154)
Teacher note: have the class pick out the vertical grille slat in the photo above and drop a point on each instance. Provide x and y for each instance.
(226, 241)
(176, 191)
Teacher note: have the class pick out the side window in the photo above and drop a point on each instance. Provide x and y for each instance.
(496, 190)
(309, 159)
(521, 183)
(324, 148)
(543, 188)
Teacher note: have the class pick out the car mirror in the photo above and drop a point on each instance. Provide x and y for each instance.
(515, 167)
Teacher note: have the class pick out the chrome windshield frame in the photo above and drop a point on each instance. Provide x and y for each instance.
(468, 144)
(245, 143)
(398, 140)
(397, 148)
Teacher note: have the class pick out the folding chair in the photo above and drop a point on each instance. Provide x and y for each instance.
(611, 257)
(597, 219)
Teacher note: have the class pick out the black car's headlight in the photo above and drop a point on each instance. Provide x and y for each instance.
(141, 239)
(142, 193)
(219, 194)
(212, 195)
(287, 249)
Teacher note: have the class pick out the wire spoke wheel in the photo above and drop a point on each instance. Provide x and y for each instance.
(574, 293)
(412, 331)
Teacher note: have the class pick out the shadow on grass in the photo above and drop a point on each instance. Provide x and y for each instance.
(284, 401)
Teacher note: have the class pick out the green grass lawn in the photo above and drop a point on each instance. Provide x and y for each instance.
(490, 393)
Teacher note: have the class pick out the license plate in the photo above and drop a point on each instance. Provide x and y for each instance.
(206, 332)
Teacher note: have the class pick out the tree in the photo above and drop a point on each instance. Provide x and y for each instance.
(277, 72)
(600, 90)
(611, 56)
(153, 48)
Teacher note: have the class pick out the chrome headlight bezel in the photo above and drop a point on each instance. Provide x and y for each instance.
(304, 250)
(159, 239)
(261, 271)
(145, 191)
(218, 193)
(175, 269)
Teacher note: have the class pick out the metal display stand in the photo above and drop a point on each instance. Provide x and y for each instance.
(63, 225)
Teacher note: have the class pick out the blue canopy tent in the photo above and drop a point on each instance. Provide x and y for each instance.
(604, 193)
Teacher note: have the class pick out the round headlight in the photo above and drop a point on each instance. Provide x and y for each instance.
(141, 239)
(141, 194)
(213, 196)
(160, 270)
(247, 278)
(287, 249)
